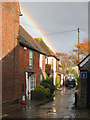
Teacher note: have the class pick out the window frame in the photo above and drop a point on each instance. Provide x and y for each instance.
(30, 59)
(41, 61)
(40, 78)
(33, 82)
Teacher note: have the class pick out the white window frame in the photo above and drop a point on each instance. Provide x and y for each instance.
(40, 61)
(32, 82)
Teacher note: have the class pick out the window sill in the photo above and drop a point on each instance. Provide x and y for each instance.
(30, 67)
(40, 68)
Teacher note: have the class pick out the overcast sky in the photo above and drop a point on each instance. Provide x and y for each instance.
(53, 18)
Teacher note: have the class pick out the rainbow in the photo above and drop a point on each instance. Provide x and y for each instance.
(37, 29)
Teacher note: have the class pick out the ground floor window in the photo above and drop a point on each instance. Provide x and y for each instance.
(33, 82)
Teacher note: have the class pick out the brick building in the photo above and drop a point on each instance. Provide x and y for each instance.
(23, 58)
(51, 60)
(31, 63)
(10, 29)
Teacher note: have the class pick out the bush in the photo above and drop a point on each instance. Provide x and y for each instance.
(48, 84)
(48, 80)
(76, 87)
(40, 93)
(47, 93)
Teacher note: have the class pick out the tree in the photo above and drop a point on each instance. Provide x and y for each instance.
(64, 59)
(84, 50)
(71, 59)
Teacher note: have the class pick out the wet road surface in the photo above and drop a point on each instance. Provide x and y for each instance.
(61, 107)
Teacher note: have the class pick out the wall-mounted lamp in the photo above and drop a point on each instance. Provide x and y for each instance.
(20, 14)
(25, 48)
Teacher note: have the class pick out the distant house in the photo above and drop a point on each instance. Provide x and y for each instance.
(50, 60)
(10, 30)
(58, 73)
(61, 73)
(31, 63)
(84, 82)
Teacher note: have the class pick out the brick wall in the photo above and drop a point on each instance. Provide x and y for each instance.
(10, 28)
(24, 66)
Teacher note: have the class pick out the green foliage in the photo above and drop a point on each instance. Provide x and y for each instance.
(47, 93)
(77, 87)
(40, 93)
(48, 83)
(57, 82)
(77, 80)
(45, 90)
(47, 76)
(48, 80)
(72, 71)
(48, 69)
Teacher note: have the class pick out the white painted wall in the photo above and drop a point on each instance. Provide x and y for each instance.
(62, 77)
(27, 84)
(40, 61)
(52, 61)
(49, 60)
(54, 70)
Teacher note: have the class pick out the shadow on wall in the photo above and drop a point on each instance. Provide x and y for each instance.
(10, 76)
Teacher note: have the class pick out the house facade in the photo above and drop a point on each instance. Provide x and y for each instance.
(61, 74)
(51, 61)
(23, 58)
(58, 72)
(31, 63)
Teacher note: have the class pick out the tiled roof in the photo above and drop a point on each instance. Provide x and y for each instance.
(26, 40)
(48, 51)
(86, 59)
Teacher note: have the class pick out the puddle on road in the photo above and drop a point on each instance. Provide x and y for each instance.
(62, 104)
(67, 117)
(52, 110)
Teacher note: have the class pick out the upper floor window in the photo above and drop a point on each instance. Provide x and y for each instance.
(41, 78)
(40, 61)
(30, 59)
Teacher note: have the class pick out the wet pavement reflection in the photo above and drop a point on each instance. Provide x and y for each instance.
(61, 107)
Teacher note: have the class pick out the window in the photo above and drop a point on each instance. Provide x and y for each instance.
(30, 59)
(41, 78)
(45, 59)
(40, 61)
(33, 82)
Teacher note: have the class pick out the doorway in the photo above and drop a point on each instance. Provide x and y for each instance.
(30, 84)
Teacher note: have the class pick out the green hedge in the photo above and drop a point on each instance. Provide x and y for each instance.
(48, 83)
(40, 93)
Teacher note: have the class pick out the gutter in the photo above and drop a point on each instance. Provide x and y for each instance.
(29, 47)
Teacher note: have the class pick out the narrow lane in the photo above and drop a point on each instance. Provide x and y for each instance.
(60, 107)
